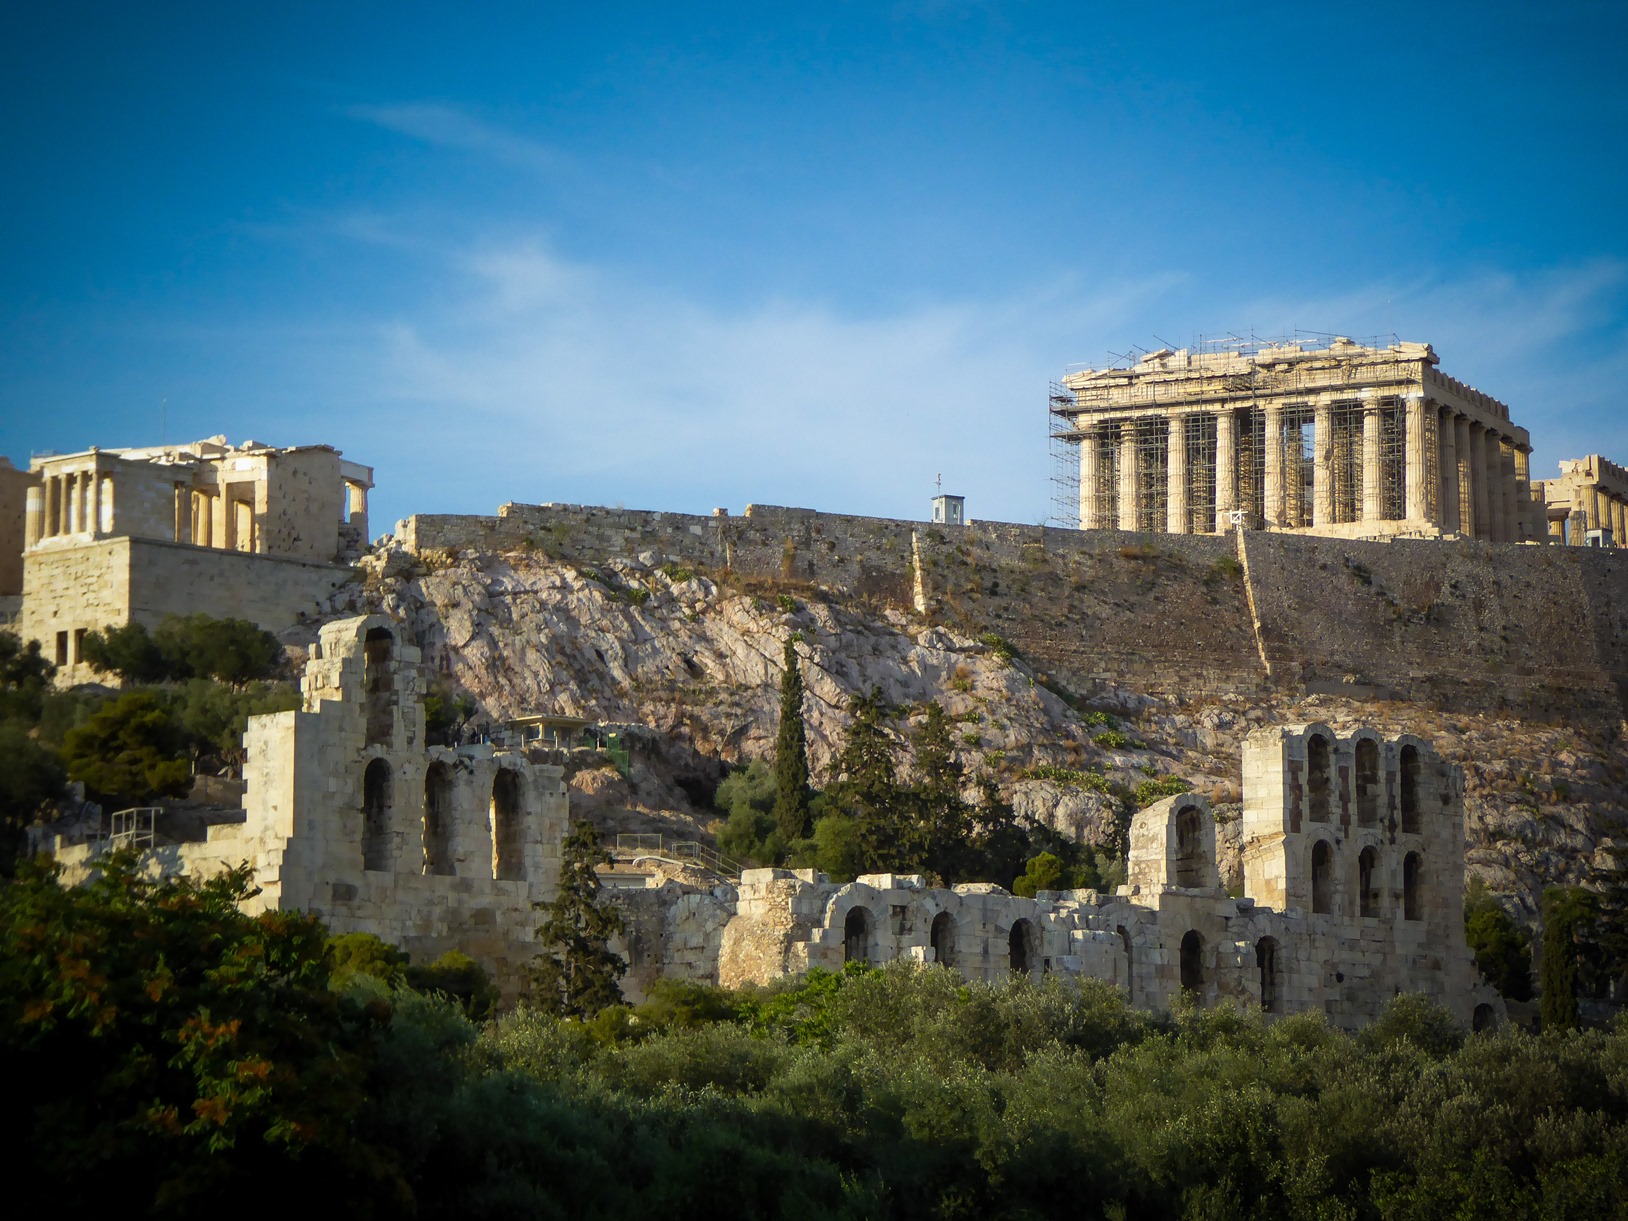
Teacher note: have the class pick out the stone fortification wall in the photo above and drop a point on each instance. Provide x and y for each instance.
(1541, 632)
(1470, 626)
(71, 590)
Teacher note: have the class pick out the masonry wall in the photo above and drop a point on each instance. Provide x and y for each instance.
(94, 585)
(1540, 631)
(304, 498)
(14, 488)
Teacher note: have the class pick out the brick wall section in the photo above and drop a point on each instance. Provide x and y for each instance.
(1540, 631)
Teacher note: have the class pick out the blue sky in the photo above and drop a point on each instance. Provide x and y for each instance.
(675, 256)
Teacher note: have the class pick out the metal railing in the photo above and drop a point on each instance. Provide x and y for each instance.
(136, 827)
(633, 848)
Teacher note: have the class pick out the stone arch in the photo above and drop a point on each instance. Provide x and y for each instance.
(1189, 848)
(858, 934)
(1485, 1018)
(377, 800)
(508, 827)
(1192, 962)
(438, 821)
(1322, 877)
(1266, 958)
(1368, 881)
(1318, 770)
(1130, 964)
(1412, 885)
(1408, 782)
(942, 938)
(1368, 784)
(1022, 946)
(378, 684)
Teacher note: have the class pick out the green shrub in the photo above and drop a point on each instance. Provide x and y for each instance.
(1149, 791)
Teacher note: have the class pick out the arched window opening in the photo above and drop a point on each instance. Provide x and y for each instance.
(856, 935)
(1368, 882)
(1322, 877)
(438, 821)
(1485, 1018)
(376, 816)
(1317, 778)
(1266, 957)
(1130, 963)
(1410, 887)
(508, 830)
(377, 685)
(942, 937)
(1367, 782)
(1410, 789)
(1189, 870)
(1192, 962)
(1021, 945)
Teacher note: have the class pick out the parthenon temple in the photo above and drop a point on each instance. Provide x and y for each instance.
(1334, 438)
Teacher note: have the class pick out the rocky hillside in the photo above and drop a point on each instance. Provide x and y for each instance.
(695, 659)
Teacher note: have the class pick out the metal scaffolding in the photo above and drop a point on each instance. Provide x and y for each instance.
(1346, 460)
(1152, 474)
(1200, 440)
(1064, 446)
(1393, 462)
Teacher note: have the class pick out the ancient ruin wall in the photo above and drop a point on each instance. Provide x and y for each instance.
(1540, 632)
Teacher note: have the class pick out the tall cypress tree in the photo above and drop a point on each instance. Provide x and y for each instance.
(791, 753)
(943, 819)
(1568, 917)
(866, 789)
(577, 973)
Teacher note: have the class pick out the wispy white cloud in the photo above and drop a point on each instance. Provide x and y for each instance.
(594, 379)
(451, 127)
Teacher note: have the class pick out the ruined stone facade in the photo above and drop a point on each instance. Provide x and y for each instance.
(347, 814)
(1339, 439)
(1352, 856)
(1353, 893)
(252, 532)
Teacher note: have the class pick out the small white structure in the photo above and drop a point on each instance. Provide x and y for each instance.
(949, 510)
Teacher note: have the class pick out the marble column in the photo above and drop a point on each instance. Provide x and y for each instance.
(1273, 509)
(1417, 463)
(183, 513)
(1498, 526)
(1226, 469)
(1468, 523)
(1373, 490)
(1478, 469)
(93, 526)
(1507, 481)
(1089, 475)
(1178, 520)
(1127, 475)
(1618, 523)
(34, 515)
(1449, 473)
(1322, 467)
